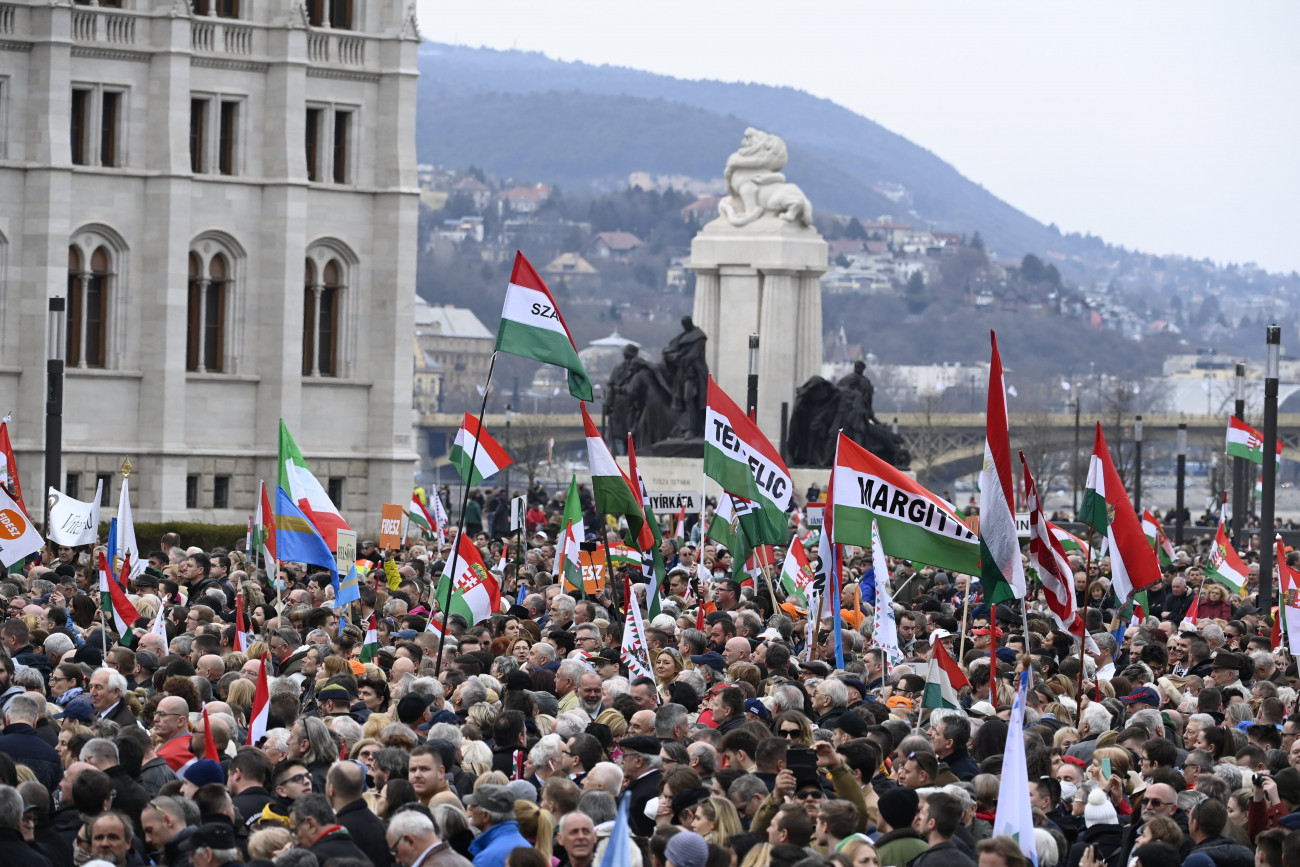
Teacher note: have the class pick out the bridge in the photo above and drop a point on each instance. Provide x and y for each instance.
(947, 444)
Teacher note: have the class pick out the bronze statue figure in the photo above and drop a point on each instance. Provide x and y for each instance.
(687, 374)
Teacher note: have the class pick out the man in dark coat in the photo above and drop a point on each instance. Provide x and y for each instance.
(316, 827)
(21, 743)
(343, 787)
(641, 770)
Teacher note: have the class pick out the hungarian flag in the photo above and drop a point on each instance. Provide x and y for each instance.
(734, 520)
(1225, 565)
(1107, 510)
(655, 570)
(572, 534)
(741, 460)
(1156, 538)
(210, 744)
(261, 707)
(797, 574)
(370, 646)
(1246, 442)
(1069, 541)
(117, 609)
(9, 466)
(679, 528)
(1047, 559)
(1288, 601)
(489, 458)
(625, 555)
(297, 481)
(914, 523)
(475, 594)
(1190, 618)
(612, 489)
(264, 531)
(943, 680)
(418, 517)
(1001, 572)
(532, 327)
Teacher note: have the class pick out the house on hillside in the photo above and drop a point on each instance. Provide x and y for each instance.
(454, 342)
(524, 200)
(615, 246)
(570, 269)
(702, 210)
(479, 192)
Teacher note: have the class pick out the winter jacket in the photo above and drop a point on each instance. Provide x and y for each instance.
(493, 846)
(942, 855)
(1220, 852)
(1107, 839)
(21, 743)
(897, 848)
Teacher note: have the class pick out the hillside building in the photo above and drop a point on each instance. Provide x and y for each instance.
(453, 351)
(225, 193)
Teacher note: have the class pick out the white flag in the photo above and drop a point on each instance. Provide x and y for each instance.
(73, 522)
(1015, 815)
(635, 654)
(885, 629)
(126, 535)
(18, 537)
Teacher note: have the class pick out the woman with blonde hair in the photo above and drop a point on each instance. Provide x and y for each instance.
(264, 844)
(860, 851)
(667, 665)
(1065, 738)
(537, 826)
(240, 695)
(476, 757)
(1214, 603)
(716, 820)
(616, 721)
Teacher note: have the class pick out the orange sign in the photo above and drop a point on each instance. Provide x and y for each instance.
(593, 572)
(12, 524)
(390, 526)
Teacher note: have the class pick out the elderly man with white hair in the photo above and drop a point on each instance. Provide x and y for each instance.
(108, 689)
(604, 777)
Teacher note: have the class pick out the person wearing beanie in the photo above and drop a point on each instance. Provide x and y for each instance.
(899, 842)
(686, 849)
(1102, 831)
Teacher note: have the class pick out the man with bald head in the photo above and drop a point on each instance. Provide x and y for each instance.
(641, 723)
(1159, 799)
(343, 786)
(736, 650)
(171, 731)
(211, 668)
(220, 736)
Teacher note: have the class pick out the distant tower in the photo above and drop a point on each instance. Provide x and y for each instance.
(225, 192)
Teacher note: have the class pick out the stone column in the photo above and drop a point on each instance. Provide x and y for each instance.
(738, 310)
(777, 353)
(808, 340)
(706, 311)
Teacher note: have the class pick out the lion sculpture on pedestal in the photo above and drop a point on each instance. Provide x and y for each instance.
(756, 187)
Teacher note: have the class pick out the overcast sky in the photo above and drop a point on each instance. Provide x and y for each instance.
(1170, 127)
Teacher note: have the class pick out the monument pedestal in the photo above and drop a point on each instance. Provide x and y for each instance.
(678, 481)
(761, 278)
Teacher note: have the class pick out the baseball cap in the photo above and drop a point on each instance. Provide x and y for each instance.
(1143, 695)
(412, 707)
(711, 659)
(210, 835)
(79, 709)
(756, 707)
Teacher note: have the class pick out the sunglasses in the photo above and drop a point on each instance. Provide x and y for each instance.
(810, 795)
(790, 733)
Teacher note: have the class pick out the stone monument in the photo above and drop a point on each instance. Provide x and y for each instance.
(758, 268)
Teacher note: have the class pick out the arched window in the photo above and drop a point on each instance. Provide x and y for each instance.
(321, 307)
(209, 284)
(88, 291)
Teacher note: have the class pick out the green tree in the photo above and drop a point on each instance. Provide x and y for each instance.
(976, 242)
(855, 230)
(1031, 269)
(915, 293)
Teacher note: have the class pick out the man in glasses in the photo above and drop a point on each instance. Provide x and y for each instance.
(1160, 799)
(414, 842)
(292, 781)
(171, 726)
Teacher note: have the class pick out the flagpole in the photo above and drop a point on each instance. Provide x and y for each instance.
(965, 619)
(464, 505)
(762, 568)
(609, 569)
(817, 624)
(1087, 591)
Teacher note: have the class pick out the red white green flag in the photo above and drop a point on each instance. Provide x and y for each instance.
(914, 523)
(1288, 600)
(475, 594)
(797, 573)
(572, 534)
(118, 610)
(943, 680)
(1156, 538)
(1001, 571)
(1107, 509)
(261, 711)
(742, 461)
(612, 489)
(1247, 442)
(489, 458)
(1225, 565)
(532, 327)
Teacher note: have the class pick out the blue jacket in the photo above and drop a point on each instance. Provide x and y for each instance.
(493, 846)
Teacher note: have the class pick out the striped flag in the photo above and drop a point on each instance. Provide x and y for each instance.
(489, 459)
(1015, 813)
(264, 531)
(797, 574)
(296, 538)
(370, 646)
(241, 637)
(1107, 510)
(475, 594)
(117, 609)
(1069, 541)
(349, 590)
(742, 460)
(1288, 600)
(297, 481)
(634, 653)
(1246, 442)
(1156, 538)
(532, 327)
(1001, 571)
(9, 466)
(943, 679)
(1047, 559)
(612, 488)
(655, 570)
(1192, 615)
(125, 548)
(572, 534)
(160, 622)
(1225, 564)
(257, 717)
(417, 516)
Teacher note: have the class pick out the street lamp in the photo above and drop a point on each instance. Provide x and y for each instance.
(1137, 463)
(1272, 358)
(1182, 478)
(54, 348)
(1239, 466)
(752, 396)
(1075, 469)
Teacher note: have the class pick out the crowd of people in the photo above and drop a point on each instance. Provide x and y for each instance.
(515, 741)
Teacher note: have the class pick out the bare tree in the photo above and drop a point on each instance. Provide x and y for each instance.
(1037, 434)
(526, 441)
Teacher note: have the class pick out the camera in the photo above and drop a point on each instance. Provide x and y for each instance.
(1258, 779)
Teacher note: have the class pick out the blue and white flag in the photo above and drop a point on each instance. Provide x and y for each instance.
(1015, 815)
(884, 629)
(619, 851)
